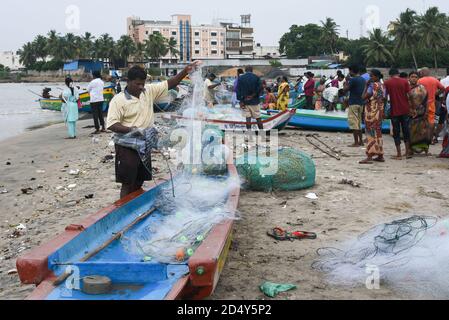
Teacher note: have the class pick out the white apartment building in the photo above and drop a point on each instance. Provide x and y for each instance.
(10, 59)
(264, 52)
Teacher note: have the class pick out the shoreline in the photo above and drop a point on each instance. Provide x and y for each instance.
(83, 117)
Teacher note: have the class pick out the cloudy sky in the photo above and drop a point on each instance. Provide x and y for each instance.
(22, 20)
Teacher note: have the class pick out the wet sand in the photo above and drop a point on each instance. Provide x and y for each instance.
(42, 160)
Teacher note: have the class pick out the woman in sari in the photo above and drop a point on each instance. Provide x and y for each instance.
(375, 96)
(420, 129)
(69, 108)
(283, 95)
(270, 100)
(319, 94)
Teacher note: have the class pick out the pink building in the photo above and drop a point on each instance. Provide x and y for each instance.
(193, 42)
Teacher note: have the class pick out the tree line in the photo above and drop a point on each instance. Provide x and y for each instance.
(412, 40)
(51, 51)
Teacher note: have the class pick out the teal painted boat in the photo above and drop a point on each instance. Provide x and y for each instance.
(55, 104)
(322, 120)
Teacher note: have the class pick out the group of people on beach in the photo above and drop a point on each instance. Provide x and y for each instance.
(409, 101)
(246, 92)
(412, 101)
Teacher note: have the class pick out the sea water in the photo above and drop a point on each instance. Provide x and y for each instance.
(20, 109)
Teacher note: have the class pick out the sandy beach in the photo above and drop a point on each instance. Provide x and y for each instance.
(42, 160)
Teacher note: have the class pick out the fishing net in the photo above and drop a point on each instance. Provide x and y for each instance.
(411, 255)
(186, 219)
(287, 170)
(223, 97)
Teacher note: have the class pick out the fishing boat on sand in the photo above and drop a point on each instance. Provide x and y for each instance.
(95, 249)
(321, 120)
(55, 104)
(226, 118)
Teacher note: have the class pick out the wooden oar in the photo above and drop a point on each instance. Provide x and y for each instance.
(118, 235)
(35, 93)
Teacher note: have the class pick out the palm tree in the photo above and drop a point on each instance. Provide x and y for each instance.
(40, 47)
(405, 32)
(27, 55)
(125, 48)
(155, 47)
(86, 46)
(172, 47)
(104, 48)
(330, 33)
(139, 53)
(377, 50)
(433, 28)
(69, 48)
(53, 44)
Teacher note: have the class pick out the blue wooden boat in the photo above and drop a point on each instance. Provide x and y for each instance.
(323, 121)
(93, 248)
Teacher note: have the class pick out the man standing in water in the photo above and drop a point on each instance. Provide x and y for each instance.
(95, 89)
(130, 111)
(249, 90)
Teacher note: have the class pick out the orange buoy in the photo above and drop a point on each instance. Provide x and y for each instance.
(180, 255)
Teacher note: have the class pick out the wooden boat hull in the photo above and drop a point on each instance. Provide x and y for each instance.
(276, 121)
(317, 120)
(56, 104)
(141, 281)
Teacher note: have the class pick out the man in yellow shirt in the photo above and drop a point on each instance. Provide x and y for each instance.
(132, 110)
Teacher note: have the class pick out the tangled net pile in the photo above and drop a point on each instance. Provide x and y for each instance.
(412, 256)
(200, 204)
(295, 171)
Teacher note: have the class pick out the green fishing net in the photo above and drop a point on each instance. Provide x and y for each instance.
(293, 170)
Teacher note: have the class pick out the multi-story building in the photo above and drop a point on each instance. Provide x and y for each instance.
(239, 39)
(196, 42)
(193, 42)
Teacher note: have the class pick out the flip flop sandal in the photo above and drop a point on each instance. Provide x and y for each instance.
(282, 235)
(299, 235)
(278, 234)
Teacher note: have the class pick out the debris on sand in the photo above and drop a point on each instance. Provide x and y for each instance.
(312, 196)
(271, 289)
(350, 182)
(27, 190)
(74, 172)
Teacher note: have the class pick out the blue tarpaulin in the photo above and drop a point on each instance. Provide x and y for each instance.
(88, 65)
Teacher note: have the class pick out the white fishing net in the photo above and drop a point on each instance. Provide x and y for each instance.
(411, 256)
